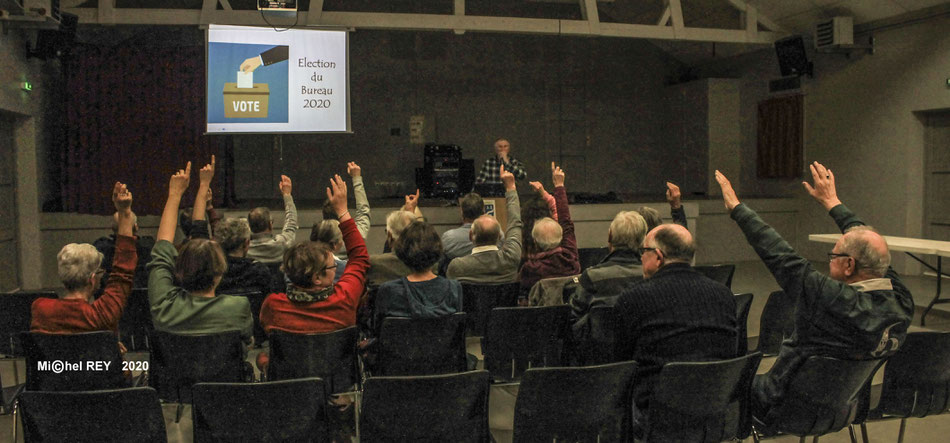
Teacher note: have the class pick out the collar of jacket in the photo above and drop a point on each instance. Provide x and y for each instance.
(873, 284)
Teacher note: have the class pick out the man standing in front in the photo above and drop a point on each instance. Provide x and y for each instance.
(861, 311)
(674, 314)
(489, 172)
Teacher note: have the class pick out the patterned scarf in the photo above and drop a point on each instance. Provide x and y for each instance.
(298, 295)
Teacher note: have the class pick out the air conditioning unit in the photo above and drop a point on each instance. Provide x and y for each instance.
(837, 32)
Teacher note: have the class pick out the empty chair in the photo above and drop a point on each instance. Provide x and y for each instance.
(743, 303)
(16, 308)
(99, 349)
(135, 325)
(590, 256)
(776, 323)
(522, 338)
(179, 361)
(821, 397)
(278, 411)
(421, 346)
(132, 414)
(330, 356)
(916, 380)
(720, 273)
(478, 300)
(702, 401)
(590, 403)
(452, 407)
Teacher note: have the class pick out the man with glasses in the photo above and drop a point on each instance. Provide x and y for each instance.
(861, 310)
(674, 314)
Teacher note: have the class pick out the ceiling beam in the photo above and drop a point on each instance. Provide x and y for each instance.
(676, 16)
(589, 13)
(315, 12)
(106, 12)
(742, 5)
(428, 22)
(459, 10)
(665, 18)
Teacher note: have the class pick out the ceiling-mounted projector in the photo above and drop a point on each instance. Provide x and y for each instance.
(277, 6)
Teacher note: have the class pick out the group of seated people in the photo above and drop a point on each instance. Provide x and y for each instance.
(668, 312)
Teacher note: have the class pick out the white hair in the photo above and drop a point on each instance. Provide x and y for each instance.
(627, 230)
(397, 221)
(76, 263)
(547, 233)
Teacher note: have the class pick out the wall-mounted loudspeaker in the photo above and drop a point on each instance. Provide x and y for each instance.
(792, 59)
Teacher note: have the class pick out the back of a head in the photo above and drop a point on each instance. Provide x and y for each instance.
(472, 206)
(533, 208)
(868, 249)
(328, 212)
(675, 242)
(199, 263)
(485, 231)
(419, 246)
(303, 260)
(232, 233)
(397, 221)
(650, 216)
(627, 230)
(546, 233)
(76, 263)
(259, 219)
(327, 231)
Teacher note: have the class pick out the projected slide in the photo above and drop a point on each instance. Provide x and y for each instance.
(260, 80)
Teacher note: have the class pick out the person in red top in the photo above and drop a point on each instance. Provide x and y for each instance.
(312, 302)
(80, 269)
(555, 239)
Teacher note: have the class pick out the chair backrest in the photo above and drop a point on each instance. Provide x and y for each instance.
(743, 304)
(478, 300)
(522, 338)
(421, 346)
(720, 273)
(132, 414)
(451, 407)
(589, 403)
(602, 346)
(917, 377)
(256, 300)
(590, 256)
(702, 401)
(179, 361)
(135, 325)
(822, 396)
(278, 411)
(89, 361)
(15, 318)
(330, 356)
(777, 322)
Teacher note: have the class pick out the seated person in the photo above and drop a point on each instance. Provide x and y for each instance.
(674, 314)
(328, 232)
(387, 266)
(143, 250)
(181, 285)
(601, 284)
(457, 242)
(267, 247)
(860, 311)
(80, 270)
(244, 274)
(421, 294)
(487, 264)
(361, 216)
(556, 241)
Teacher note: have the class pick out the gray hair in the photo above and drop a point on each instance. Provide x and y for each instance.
(327, 231)
(76, 263)
(232, 233)
(397, 221)
(676, 247)
(651, 216)
(485, 231)
(627, 230)
(546, 233)
(865, 256)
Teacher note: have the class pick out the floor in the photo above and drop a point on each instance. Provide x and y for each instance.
(750, 277)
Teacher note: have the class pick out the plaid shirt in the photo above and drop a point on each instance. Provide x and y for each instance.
(490, 170)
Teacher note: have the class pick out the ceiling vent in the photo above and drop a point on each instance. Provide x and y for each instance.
(834, 33)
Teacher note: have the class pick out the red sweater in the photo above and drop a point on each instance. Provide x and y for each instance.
(561, 261)
(337, 311)
(70, 316)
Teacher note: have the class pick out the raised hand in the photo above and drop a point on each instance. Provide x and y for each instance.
(673, 195)
(824, 188)
(729, 197)
(285, 185)
(353, 169)
(249, 65)
(206, 173)
(121, 198)
(557, 175)
(178, 184)
(507, 178)
(538, 187)
(336, 195)
(412, 201)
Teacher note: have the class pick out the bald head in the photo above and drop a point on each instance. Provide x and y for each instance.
(868, 249)
(674, 241)
(485, 231)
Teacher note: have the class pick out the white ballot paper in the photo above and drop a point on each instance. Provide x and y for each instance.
(245, 79)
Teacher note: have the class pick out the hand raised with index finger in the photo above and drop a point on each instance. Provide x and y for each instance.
(179, 181)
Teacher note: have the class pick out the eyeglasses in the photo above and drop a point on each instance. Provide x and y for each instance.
(832, 256)
(643, 250)
(327, 268)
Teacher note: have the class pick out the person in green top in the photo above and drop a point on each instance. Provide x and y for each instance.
(181, 285)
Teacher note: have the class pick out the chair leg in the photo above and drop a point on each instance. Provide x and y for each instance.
(864, 432)
(851, 434)
(16, 405)
(801, 439)
(900, 436)
(815, 439)
(356, 413)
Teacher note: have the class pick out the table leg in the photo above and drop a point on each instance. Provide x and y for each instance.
(939, 271)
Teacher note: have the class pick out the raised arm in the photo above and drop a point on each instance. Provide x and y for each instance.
(109, 307)
(673, 197)
(177, 186)
(289, 233)
(511, 249)
(412, 204)
(354, 275)
(200, 227)
(568, 240)
(825, 193)
(539, 188)
(161, 269)
(362, 203)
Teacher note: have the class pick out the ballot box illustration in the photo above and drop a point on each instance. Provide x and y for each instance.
(246, 102)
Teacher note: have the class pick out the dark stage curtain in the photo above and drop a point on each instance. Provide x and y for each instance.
(780, 138)
(135, 114)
